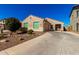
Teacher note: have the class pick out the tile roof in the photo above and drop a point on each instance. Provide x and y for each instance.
(52, 21)
(74, 8)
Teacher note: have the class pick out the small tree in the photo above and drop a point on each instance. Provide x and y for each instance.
(12, 24)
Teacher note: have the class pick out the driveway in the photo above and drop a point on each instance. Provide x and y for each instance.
(51, 43)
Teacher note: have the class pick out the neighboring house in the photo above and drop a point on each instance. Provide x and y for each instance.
(74, 18)
(2, 24)
(41, 24)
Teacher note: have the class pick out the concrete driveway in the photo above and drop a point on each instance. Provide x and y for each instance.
(51, 43)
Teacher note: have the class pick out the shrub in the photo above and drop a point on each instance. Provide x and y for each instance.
(2, 36)
(21, 39)
(30, 31)
(23, 30)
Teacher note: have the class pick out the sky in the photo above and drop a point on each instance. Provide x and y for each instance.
(58, 12)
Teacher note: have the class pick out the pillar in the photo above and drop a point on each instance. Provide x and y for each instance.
(61, 27)
(54, 27)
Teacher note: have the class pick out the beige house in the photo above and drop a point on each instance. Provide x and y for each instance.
(41, 24)
(74, 18)
(2, 24)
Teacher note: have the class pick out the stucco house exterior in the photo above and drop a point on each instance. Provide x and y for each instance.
(2, 24)
(74, 18)
(42, 24)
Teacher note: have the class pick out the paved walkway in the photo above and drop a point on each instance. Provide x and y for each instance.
(51, 43)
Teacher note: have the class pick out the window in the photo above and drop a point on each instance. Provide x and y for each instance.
(77, 13)
(77, 27)
(36, 25)
(26, 25)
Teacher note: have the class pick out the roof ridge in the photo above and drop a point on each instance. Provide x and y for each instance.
(36, 16)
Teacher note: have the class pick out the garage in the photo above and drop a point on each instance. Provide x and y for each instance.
(57, 27)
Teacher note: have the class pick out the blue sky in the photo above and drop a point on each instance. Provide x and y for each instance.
(59, 12)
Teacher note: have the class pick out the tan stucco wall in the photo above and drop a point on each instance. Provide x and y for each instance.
(74, 19)
(47, 26)
(54, 22)
(32, 19)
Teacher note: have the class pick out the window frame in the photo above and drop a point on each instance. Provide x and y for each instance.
(27, 25)
(36, 26)
(77, 13)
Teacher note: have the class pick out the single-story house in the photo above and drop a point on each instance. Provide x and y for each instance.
(42, 24)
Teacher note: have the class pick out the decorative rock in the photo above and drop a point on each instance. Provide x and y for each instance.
(2, 40)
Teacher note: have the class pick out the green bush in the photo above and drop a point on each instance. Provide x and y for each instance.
(30, 31)
(12, 24)
(23, 30)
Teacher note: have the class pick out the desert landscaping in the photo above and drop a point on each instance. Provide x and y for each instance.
(7, 41)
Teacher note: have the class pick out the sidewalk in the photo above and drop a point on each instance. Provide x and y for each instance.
(73, 33)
